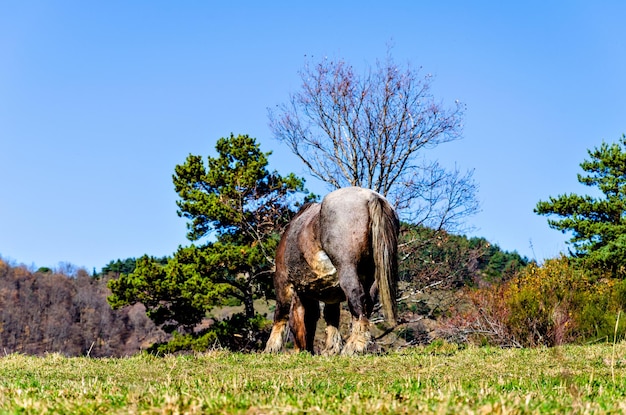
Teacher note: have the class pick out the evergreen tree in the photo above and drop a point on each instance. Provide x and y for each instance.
(597, 224)
(236, 209)
(125, 266)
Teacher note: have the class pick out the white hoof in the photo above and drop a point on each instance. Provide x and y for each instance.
(277, 338)
(334, 342)
(359, 339)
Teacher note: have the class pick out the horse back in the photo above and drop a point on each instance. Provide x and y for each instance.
(345, 224)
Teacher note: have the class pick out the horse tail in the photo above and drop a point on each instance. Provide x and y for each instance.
(384, 228)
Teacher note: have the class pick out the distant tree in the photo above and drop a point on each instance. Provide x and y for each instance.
(438, 259)
(67, 268)
(373, 131)
(120, 266)
(236, 208)
(52, 312)
(125, 266)
(597, 224)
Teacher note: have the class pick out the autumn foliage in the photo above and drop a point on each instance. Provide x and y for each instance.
(51, 312)
(545, 305)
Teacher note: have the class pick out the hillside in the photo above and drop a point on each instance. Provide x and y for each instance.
(44, 311)
(49, 312)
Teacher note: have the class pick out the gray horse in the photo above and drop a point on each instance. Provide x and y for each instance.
(343, 248)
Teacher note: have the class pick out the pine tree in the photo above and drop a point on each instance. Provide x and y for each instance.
(236, 209)
(597, 224)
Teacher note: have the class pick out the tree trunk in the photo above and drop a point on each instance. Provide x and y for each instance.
(248, 298)
(248, 303)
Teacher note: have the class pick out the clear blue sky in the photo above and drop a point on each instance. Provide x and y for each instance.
(100, 100)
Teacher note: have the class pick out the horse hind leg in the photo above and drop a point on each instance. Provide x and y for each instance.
(334, 342)
(360, 307)
(305, 313)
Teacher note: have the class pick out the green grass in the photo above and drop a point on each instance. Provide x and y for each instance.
(436, 379)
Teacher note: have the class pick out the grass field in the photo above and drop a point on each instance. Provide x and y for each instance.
(439, 378)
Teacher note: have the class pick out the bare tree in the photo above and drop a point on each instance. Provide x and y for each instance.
(371, 131)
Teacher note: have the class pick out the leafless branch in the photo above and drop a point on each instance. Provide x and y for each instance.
(371, 130)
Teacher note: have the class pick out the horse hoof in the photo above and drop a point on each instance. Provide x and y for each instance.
(334, 342)
(273, 347)
(272, 350)
(359, 339)
(356, 345)
(352, 349)
(277, 338)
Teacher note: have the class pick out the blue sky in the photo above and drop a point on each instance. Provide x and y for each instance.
(100, 100)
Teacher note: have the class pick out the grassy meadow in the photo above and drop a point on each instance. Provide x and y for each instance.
(440, 378)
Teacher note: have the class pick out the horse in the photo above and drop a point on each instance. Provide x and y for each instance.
(344, 248)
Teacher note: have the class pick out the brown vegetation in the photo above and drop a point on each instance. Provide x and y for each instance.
(51, 312)
(548, 305)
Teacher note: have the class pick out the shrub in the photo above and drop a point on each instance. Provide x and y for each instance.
(236, 333)
(542, 302)
(560, 303)
(481, 320)
(547, 305)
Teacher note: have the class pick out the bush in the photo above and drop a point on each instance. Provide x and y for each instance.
(559, 303)
(481, 319)
(547, 305)
(235, 333)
